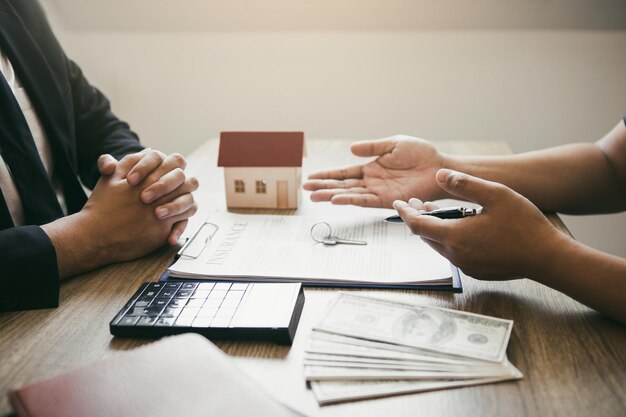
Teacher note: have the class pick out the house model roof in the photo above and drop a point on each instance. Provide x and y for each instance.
(261, 149)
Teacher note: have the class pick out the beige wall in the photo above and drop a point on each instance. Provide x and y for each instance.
(530, 88)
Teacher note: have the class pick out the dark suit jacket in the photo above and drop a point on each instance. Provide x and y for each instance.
(80, 127)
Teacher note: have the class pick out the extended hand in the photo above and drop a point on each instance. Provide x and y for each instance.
(510, 238)
(405, 168)
(161, 178)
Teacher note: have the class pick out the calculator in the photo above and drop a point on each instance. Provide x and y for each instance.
(217, 310)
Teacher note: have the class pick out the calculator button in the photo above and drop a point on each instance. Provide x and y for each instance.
(213, 302)
(200, 294)
(202, 322)
(142, 303)
(225, 312)
(165, 293)
(222, 286)
(207, 311)
(151, 311)
(155, 285)
(217, 294)
(172, 286)
(128, 321)
(234, 295)
(165, 322)
(159, 302)
(177, 303)
(183, 321)
(188, 286)
(146, 321)
(239, 286)
(135, 312)
(171, 312)
(190, 312)
(230, 303)
(220, 322)
(195, 302)
(183, 294)
(206, 286)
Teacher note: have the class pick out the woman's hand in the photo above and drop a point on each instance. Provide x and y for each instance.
(511, 238)
(405, 168)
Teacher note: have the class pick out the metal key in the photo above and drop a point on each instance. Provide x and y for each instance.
(335, 240)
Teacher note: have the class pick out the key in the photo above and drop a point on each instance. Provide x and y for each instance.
(335, 240)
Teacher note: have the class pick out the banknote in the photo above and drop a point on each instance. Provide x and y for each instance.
(361, 362)
(326, 343)
(332, 392)
(435, 329)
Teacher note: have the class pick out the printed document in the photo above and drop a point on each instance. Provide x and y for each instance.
(281, 248)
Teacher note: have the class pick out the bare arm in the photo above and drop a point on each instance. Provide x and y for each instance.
(576, 178)
(492, 246)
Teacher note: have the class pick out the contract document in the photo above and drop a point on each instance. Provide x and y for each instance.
(281, 248)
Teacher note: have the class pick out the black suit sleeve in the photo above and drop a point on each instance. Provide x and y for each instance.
(29, 269)
(98, 130)
(28, 263)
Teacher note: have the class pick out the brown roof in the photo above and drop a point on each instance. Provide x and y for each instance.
(261, 149)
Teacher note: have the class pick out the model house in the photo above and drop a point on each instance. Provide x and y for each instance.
(262, 169)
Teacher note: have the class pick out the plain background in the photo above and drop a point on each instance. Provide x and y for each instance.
(533, 73)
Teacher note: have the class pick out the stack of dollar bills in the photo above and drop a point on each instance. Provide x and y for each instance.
(366, 347)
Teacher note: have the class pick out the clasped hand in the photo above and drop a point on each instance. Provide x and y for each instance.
(142, 201)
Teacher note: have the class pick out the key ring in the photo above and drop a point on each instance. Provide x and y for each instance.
(316, 226)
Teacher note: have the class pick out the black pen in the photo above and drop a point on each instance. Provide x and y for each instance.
(443, 213)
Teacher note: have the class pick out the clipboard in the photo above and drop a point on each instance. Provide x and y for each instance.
(202, 236)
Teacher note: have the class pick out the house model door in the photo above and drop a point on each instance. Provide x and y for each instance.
(282, 200)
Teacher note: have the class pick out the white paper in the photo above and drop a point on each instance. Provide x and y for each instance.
(259, 247)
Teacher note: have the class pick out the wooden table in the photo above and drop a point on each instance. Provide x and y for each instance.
(573, 359)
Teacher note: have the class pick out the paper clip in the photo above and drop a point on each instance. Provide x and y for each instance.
(183, 251)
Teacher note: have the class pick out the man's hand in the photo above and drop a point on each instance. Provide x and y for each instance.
(405, 168)
(511, 238)
(158, 175)
(114, 225)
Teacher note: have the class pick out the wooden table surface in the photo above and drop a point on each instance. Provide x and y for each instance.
(573, 359)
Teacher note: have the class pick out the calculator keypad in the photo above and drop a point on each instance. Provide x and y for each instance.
(176, 304)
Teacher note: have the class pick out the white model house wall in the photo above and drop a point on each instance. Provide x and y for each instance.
(271, 176)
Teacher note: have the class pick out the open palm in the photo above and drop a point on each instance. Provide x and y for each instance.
(405, 168)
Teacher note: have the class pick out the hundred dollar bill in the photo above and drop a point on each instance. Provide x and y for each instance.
(331, 344)
(334, 373)
(361, 362)
(331, 392)
(431, 328)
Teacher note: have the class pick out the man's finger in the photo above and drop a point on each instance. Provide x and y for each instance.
(175, 207)
(361, 200)
(339, 173)
(469, 188)
(428, 227)
(128, 162)
(331, 184)
(373, 147)
(327, 195)
(150, 162)
(177, 230)
(107, 164)
(165, 185)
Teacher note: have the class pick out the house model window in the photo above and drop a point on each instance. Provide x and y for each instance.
(240, 186)
(270, 163)
(261, 187)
